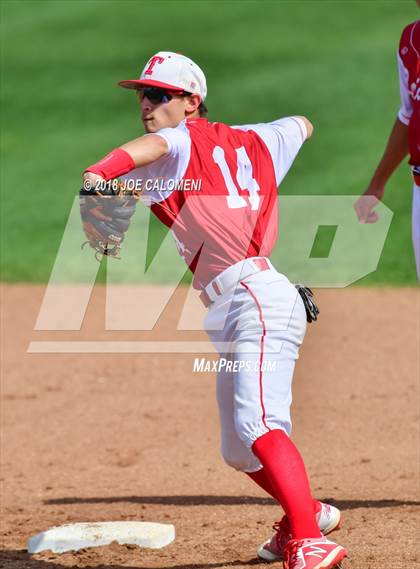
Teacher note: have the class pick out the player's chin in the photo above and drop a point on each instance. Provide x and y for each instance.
(150, 126)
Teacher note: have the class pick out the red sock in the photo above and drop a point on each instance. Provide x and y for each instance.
(286, 473)
(317, 506)
(260, 478)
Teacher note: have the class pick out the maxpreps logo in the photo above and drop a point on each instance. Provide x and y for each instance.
(142, 294)
(204, 365)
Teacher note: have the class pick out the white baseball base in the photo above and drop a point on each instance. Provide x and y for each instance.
(77, 536)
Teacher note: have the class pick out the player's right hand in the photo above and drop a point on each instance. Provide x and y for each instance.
(366, 204)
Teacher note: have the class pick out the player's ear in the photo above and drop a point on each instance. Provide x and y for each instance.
(192, 103)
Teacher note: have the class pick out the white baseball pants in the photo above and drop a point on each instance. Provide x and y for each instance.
(258, 325)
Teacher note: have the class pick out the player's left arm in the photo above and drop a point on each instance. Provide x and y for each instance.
(134, 154)
(146, 149)
(106, 211)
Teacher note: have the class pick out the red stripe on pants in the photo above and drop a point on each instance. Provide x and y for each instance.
(261, 352)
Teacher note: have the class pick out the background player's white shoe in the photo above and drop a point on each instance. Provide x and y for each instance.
(328, 519)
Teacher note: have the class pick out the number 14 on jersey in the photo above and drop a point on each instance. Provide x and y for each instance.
(244, 177)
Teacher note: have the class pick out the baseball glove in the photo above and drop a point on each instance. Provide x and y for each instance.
(311, 308)
(106, 212)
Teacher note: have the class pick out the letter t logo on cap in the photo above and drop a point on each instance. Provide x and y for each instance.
(155, 59)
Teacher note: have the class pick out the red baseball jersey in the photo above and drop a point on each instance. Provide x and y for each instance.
(216, 189)
(409, 70)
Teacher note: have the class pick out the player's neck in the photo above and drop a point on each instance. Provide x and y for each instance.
(193, 115)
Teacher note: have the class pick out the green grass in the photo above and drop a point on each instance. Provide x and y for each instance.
(61, 109)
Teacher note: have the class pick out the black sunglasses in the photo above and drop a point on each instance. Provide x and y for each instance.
(157, 96)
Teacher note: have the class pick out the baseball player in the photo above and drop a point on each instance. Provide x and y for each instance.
(225, 231)
(404, 138)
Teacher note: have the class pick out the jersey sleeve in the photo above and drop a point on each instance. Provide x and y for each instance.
(159, 179)
(178, 141)
(283, 138)
(406, 109)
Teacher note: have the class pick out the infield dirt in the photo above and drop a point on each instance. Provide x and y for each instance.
(135, 437)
